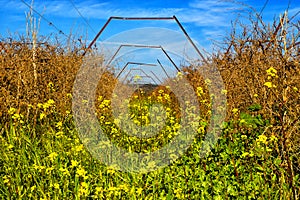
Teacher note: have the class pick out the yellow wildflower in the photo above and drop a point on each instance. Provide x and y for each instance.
(6, 179)
(179, 75)
(69, 95)
(52, 156)
(74, 163)
(235, 110)
(244, 154)
(56, 185)
(199, 91)
(39, 105)
(111, 170)
(178, 193)
(262, 139)
(59, 124)
(81, 171)
(64, 171)
(137, 77)
(48, 104)
(295, 89)
(139, 191)
(33, 188)
(224, 91)
(49, 169)
(98, 189)
(42, 115)
(59, 134)
(271, 71)
(17, 116)
(84, 184)
(11, 111)
(79, 147)
(269, 84)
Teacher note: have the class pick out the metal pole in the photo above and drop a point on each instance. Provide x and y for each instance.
(99, 33)
(170, 59)
(130, 45)
(133, 63)
(163, 68)
(190, 40)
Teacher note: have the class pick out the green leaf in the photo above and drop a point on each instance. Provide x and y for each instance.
(277, 162)
(274, 178)
(254, 107)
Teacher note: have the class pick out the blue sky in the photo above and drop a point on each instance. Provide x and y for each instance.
(204, 20)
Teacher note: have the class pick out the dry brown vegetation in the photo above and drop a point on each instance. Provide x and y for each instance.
(56, 70)
(245, 68)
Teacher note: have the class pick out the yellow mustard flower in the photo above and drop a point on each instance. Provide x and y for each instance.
(56, 185)
(59, 124)
(11, 111)
(6, 179)
(224, 91)
(235, 110)
(74, 163)
(268, 84)
(199, 91)
(271, 72)
(49, 169)
(262, 139)
(64, 171)
(42, 116)
(111, 170)
(98, 189)
(179, 75)
(81, 171)
(295, 89)
(52, 156)
(139, 191)
(69, 95)
(48, 104)
(79, 147)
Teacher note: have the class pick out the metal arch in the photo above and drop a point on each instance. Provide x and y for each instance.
(147, 18)
(133, 63)
(145, 64)
(137, 69)
(147, 76)
(123, 18)
(163, 68)
(155, 76)
(130, 45)
(143, 46)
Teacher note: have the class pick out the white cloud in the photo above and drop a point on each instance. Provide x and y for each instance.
(295, 11)
(200, 13)
(12, 5)
(213, 5)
